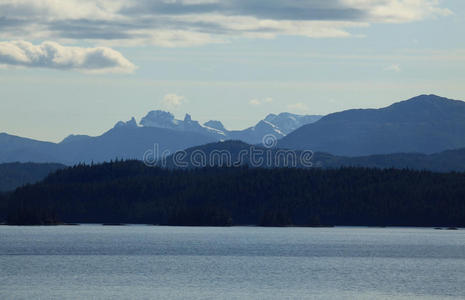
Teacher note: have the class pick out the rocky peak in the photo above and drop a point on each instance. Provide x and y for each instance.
(187, 118)
(129, 124)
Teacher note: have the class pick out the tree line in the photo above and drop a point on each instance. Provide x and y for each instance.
(130, 192)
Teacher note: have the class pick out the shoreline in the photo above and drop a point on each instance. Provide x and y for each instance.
(439, 228)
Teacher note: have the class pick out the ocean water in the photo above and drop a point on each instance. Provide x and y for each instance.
(151, 262)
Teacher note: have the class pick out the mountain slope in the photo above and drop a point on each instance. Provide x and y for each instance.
(15, 148)
(425, 124)
(287, 122)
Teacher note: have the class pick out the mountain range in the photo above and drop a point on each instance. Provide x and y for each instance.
(158, 133)
(424, 124)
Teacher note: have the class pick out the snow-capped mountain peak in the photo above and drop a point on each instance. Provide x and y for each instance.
(278, 125)
(160, 119)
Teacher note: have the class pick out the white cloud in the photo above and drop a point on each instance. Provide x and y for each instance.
(55, 56)
(258, 102)
(393, 68)
(173, 23)
(255, 102)
(298, 107)
(173, 101)
(398, 11)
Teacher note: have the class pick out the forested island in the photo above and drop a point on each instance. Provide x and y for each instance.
(131, 192)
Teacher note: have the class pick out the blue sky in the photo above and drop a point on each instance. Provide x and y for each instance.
(82, 66)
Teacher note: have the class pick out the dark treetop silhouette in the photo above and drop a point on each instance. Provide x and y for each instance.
(130, 192)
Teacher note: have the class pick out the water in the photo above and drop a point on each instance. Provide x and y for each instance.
(93, 261)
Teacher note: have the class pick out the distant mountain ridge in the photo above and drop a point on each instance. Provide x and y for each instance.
(423, 124)
(159, 133)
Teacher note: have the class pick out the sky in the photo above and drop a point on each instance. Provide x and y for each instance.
(79, 66)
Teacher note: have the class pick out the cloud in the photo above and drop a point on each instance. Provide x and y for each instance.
(173, 101)
(258, 102)
(298, 107)
(255, 102)
(173, 23)
(393, 68)
(52, 55)
(398, 11)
